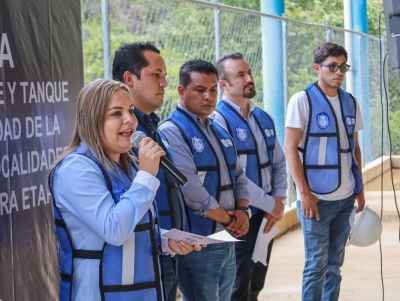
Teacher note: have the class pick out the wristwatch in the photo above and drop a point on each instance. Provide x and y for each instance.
(245, 209)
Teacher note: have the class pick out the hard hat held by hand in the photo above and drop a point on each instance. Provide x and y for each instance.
(366, 228)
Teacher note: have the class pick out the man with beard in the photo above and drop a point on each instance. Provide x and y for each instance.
(140, 66)
(321, 145)
(263, 159)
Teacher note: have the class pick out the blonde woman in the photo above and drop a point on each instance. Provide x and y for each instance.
(109, 240)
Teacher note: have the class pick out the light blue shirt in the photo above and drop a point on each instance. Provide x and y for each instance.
(93, 218)
(196, 196)
(274, 181)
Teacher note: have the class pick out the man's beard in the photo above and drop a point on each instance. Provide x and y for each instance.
(250, 93)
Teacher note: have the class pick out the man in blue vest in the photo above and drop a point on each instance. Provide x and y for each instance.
(140, 66)
(321, 146)
(262, 156)
(217, 186)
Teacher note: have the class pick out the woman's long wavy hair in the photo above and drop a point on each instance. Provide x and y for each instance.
(93, 101)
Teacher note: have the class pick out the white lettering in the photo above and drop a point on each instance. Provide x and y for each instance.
(41, 196)
(32, 94)
(8, 203)
(34, 197)
(49, 96)
(33, 126)
(35, 161)
(25, 197)
(50, 131)
(5, 52)
(4, 203)
(24, 85)
(4, 166)
(29, 127)
(64, 91)
(40, 92)
(12, 90)
(38, 126)
(14, 165)
(43, 161)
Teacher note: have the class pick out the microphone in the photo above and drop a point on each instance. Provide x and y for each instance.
(165, 163)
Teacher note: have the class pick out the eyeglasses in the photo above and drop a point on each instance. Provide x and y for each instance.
(334, 68)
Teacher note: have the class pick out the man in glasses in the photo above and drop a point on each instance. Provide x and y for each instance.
(324, 158)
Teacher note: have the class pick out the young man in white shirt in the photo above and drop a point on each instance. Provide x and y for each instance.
(324, 158)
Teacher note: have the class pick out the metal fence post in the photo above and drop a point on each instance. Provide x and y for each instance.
(328, 32)
(217, 31)
(289, 191)
(105, 21)
(385, 78)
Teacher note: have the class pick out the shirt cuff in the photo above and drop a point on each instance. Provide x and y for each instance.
(278, 192)
(268, 205)
(164, 244)
(211, 204)
(148, 180)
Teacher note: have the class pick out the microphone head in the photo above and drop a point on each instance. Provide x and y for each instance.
(136, 137)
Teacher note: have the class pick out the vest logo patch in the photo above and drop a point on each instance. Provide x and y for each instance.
(323, 120)
(269, 132)
(197, 144)
(350, 120)
(226, 142)
(165, 143)
(241, 134)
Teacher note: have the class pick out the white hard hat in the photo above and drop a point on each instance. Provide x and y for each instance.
(366, 230)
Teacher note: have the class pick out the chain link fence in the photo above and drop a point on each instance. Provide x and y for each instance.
(185, 29)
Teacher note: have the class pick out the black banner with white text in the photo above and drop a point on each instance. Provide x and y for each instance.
(41, 72)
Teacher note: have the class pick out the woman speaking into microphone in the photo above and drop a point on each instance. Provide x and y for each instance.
(109, 240)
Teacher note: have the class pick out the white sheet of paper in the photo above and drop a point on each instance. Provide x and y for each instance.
(260, 251)
(219, 237)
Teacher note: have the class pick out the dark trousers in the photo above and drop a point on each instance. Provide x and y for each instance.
(250, 276)
(170, 277)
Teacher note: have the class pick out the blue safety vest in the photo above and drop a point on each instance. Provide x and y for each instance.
(206, 161)
(146, 284)
(169, 197)
(321, 152)
(245, 142)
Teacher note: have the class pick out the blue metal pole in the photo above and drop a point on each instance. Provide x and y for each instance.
(361, 73)
(273, 64)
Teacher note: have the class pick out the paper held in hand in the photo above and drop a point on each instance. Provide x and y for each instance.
(260, 251)
(220, 237)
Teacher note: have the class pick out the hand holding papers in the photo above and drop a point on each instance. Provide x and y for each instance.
(260, 252)
(193, 239)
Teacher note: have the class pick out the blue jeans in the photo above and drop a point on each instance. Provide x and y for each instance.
(324, 243)
(208, 275)
(170, 277)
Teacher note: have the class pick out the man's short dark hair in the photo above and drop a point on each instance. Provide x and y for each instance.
(195, 66)
(221, 65)
(324, 50)
(129, 57)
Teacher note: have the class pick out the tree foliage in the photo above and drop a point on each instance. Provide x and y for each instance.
(318, 11)
(183, 33)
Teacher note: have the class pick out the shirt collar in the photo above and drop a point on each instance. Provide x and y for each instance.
(151, 118)
(210, 118)
(252, 107)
